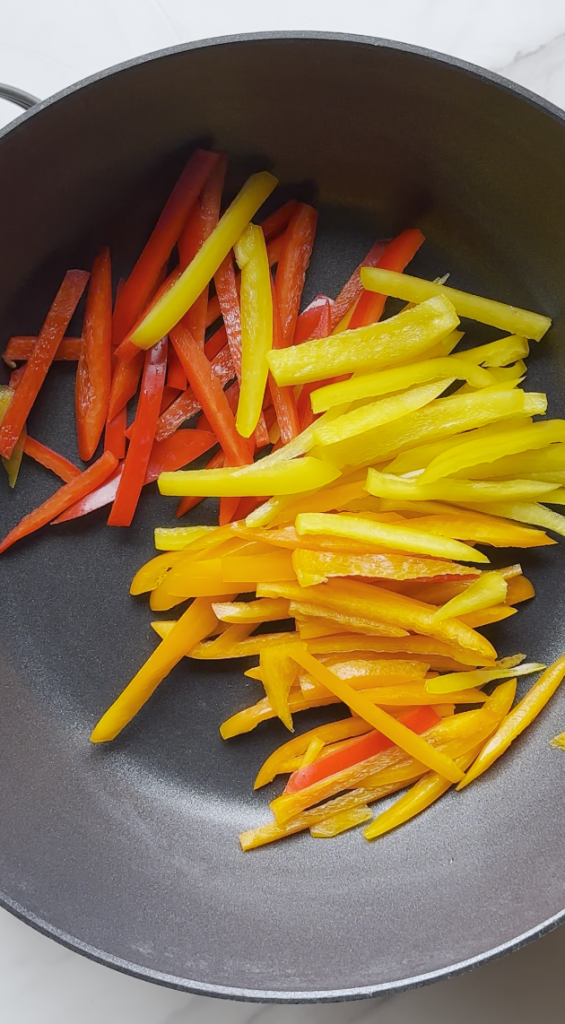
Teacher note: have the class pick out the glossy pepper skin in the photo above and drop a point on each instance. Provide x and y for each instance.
(256, 326)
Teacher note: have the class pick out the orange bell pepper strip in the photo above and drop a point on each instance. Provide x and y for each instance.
(376, 716)
(372, 602)
(153, 572)
(283, 398)
(256, 326)
(172, 306)
(489, 589)
(347, 620)
(48, 340)
(21, 346)
(517, 720)
(137, 290)
(58, 464)
(255, 568)
(497, 613)
(318, 566)
(353, 289)
(94, 371)
(62, 499)
(139, 451)
(292, 266)
(396, 256)
(345, 729)
(483, 529)
(264, 610)
(278, 673)
(198, 227)
(196, 623)
(393, 341)
(248, 719)
(479, 677)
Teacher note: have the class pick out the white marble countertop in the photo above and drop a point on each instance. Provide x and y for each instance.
(46, 46)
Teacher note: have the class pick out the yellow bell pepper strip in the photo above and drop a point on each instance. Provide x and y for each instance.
(424, 646)
(479, 677)
(386, 535)
(499, 353)
(263, 610)
(313, 567)
(485, 311)
(544, 464)
(416, 695)
(196, 623)
(245, 648)
(175, 538)
(340, 822)
(386, 343)
(473, 453)
(440, 419)
(377, 414)
(515, 370)
(278, 673)
(386, 485)
(323, 500)
(175, 302)
(385, 382)
(485, 617)
(423, 794)
(256, 326)
(379, 719)
(421, 455)
(370, 601)
(314, 748)
(263, 711)
(558, 741)
(153, 572)
(249, 481)
(519, 719)
(347, 620)
(345, 729)
(234, 634)
(482, 529)
(163, 598)
(525, 512)
(488, 590)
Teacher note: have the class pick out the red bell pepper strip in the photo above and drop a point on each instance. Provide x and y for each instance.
(62, 499)
(125, 383)
(353, 288)
(49, 338)
(115, 434)
(292, 266)
(279, 220)
(283, 398)
(304, 405)
(396, 256)
(187, 404)
(309, 319)
(169, 394)
(190, 502)
(15, 377)
(359, 750)
(137, 458)
(197, 229)
(175, 452)
(232, 395)
(274, 249)
(176, 377)
(141, 282)
(21, 346)
(94, 371)
(64, 468)
(228, 508)
(126, 350)
(210, 395)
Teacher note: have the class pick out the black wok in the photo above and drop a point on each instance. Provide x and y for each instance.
(130, 854)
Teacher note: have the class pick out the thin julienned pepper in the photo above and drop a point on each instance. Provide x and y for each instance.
(318, 566)
(465, 456)
(198, 227)
(169, 394)
(446, 684)
(49, 338)
(307, 325)
(115, 434)
(499, 353)
(346, 729)
(353, 288)
(176, 377)
(278, 672)
(188, 503)
(94, 370)
(396, 256)
(283, 398)
(344, 618)
(292, 267)
(21, 346)
(252, 479)
(274, 247)
(137, 290)
(125, 382)
(58, 464)
(139, 451)
(483, 529)
(62, 499)
(386, 485)
(13, 464)
(172, 306)
(486, 311)
(488, 590)
(279, 220)
(186, 405)
(304, 404)
(263, 610)
(175, 538)
(126, 350)
(256, 326)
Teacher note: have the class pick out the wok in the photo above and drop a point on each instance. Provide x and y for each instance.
(130, 854)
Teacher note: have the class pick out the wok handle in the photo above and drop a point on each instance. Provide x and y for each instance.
(17, 96)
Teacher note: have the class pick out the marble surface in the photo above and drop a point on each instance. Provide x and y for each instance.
(46, 46)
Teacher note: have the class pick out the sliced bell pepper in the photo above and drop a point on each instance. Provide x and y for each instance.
(256, 326)
(346, 619)
(176, 538)
(115, 434)
(137, 459)
(304, 405)
(318, 566)
(264, 610)
(401, 537)
(293, 263)
(174, 304)
(396, 256)
(465, 456)
(21, 347)
(386, 485)
(488, 590)
(62, 499)
(353, 289)
(542, 464)
(386, 381)
(368, 348)
(479, 677)
(153, 572)
(255, 479)
(341, 822)
(186, 504)
(198, 227)
(346, 729)
(196, 622)
(420, 455)
(48, 340)
(248, 719)
(280, 219)
(176, 377)
(274, 247)
(125, 382)
(308, 322)
(58, 464)
(13, 464)
(312, 752)
(274, 565)
(499, 353)
(283, 398)
(517, 720)
(482, 529)
(137, 290)
(486, 311)
(94, 371)
(187, 404)
(278, 672)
